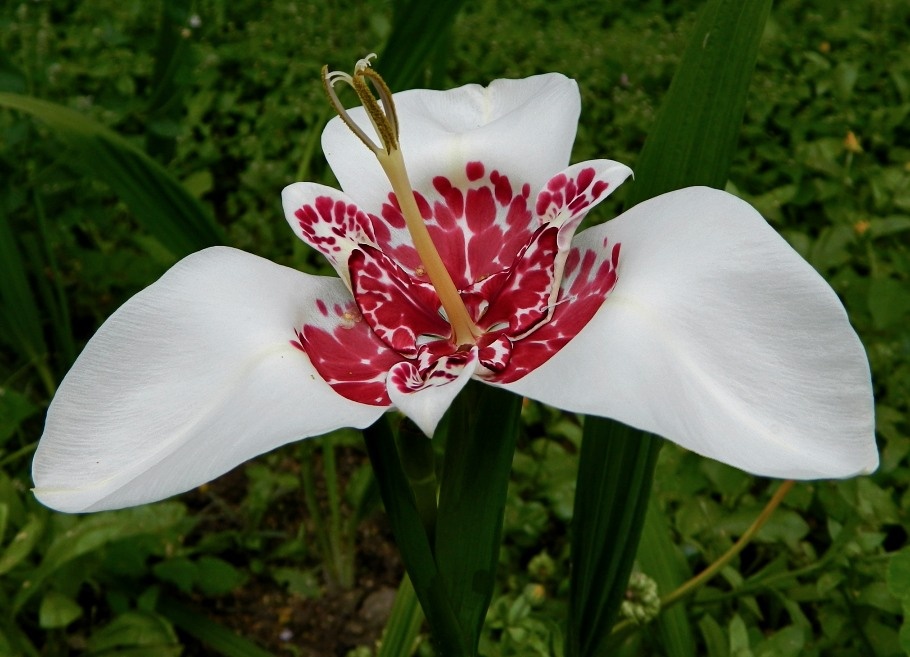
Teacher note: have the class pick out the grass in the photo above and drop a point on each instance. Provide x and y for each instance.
(824, 154)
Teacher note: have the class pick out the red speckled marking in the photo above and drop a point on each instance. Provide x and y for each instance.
(523, 298)
(350, 358)
(397, 308)
(581, 295)
(479, 224)
(332, 226)
(522, 284)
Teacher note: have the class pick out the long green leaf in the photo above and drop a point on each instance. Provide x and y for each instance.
(216, 636)
(166, 209)
(400, 635)
(692, 143)
(472, 498)
(615, 471)
(661, 560)
(415, 39)
(694, 136)
(413, 542)
(20, 322)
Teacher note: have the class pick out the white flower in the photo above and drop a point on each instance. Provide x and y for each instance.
(687, 316)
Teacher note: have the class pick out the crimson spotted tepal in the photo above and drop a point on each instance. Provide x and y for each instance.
(455, 244)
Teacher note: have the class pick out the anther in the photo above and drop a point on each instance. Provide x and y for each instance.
(376, 98)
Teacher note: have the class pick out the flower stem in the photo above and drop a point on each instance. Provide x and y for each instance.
(699, 580)
(308, 480)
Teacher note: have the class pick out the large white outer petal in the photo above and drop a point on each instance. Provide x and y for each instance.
(191, 377)
(721, 338)
(524, 128)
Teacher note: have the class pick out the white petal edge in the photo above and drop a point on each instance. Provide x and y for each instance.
(523, 128)
(718, 336)
(191, 377)
(427, 406)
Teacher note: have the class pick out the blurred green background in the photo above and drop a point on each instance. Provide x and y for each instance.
(226, 98)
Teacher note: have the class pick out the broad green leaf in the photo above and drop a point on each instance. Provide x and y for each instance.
(715, 640)
(889, 303)
(216, 576)
(480, 444)
(211, 575)
(164, 207)
(179, 571)
(92, 532)
(883, 638)
(22, 543)
(739, 637)
(137, 634)
(899, 575)
(691, 143)
(14, 408)
(299, 582)
(788, 642)
(57, 610)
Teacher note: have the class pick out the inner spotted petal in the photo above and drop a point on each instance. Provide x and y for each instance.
(329, 221)
(347, 354)
(588, 279)
(398, 308)
(522, 300)
(478, 219)
(570, 194)
(495, 352)
(424, 396)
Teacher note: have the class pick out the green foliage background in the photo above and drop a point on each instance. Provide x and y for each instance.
(230, 105)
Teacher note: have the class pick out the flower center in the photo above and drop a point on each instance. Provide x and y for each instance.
(381, 112)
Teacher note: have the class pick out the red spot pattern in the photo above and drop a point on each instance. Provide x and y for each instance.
(331, 225)
(478, 227)
(522, 300)
(504, 263)
(575, 195)
(581, 295)
(351, 359)
(397, 308)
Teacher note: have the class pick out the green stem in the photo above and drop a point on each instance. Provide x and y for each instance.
(699, 580)
(401, 631)
(338, 556)
(730, 554)
(308, 480)
(416, 552)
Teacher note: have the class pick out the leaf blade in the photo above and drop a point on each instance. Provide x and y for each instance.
(692, 143)
(164, 207)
